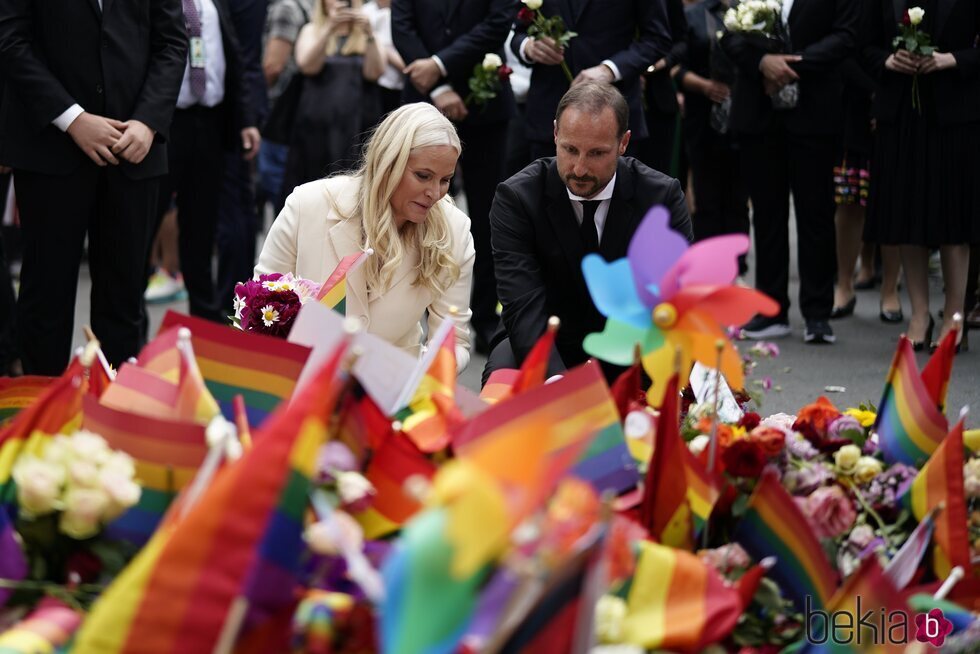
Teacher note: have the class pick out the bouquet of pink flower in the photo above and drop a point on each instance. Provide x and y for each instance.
(270, 304)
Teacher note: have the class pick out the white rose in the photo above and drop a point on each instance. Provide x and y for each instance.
(846, 458)
(120, 463)
(89, 447)
(731, 20)
(84, 510)
(59, 449)
(916, 14)
(867, 468)
(38, 485)
(122, 492)
(698, 444)
(492, 61)
(748, 20)
(83, 473)
(533, 5)
(610, 613)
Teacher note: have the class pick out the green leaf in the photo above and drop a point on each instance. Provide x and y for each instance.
(856, 436)
(927, 50)
(910, 43)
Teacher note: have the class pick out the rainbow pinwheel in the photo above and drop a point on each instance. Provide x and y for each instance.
(671, 298)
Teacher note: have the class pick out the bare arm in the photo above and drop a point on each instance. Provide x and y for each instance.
(311, 46)
(274, 60)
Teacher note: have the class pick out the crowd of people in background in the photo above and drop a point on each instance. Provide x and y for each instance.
(262, 96)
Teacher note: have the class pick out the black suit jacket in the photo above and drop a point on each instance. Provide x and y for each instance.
(633, 34)
(124, 61)
(955, 93)
(537, 251)
(824, 33)
(660, 94)
(460, 33)
(237, 107)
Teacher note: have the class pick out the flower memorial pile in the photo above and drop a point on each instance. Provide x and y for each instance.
(567, 516)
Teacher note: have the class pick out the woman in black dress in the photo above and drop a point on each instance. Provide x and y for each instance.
(925, 169)
(340, 102)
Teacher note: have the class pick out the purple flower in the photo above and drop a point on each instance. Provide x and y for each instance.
(800, 447)
(839, 427)
(805, 480)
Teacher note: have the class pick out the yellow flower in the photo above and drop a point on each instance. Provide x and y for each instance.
(866, 418)
(866, 469)
(847, 458)
(738, 432)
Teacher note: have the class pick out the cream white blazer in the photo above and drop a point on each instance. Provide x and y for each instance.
(310, 237)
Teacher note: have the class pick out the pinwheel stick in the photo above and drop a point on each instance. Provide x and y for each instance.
(713, 445)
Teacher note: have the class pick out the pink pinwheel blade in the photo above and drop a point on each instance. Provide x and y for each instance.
(728, 305)
(711, 261)
(654, 249)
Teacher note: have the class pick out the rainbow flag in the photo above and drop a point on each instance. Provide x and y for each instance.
(261, 368)
(16, 393)
(579, 406)
(167, 454)
(628, 391)
(910, 425)
(773, 525)
(13, 565)
(57, 411)
(234, 557)
(939, 368)
(499, 385)
(664, 509)
(940, 481)
(506, 382)
(703, 489)
(393, 463)
(677, 602)
(333, 292)
(432, 413)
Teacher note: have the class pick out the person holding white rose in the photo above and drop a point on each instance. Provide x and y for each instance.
(925, 165)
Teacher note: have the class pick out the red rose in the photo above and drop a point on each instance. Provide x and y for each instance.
(744, 458)
(906, 20)
(750, 420)
(503, 73)
(771, 440)
(526, 15)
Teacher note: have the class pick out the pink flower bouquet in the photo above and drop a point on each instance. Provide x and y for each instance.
(270, 304)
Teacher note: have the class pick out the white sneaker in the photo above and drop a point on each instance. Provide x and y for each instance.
(164, 288)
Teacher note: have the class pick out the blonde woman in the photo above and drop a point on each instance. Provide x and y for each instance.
(396, 202)
(340, 61)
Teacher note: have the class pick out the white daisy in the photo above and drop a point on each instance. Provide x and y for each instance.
(269, 315)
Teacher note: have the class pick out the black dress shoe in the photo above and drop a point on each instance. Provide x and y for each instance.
(921, 345)
(890, 316)
(844, 311)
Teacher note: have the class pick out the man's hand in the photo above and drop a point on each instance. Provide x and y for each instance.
(452, 105)
(543, 51)
(251, 140)
(96, 135)
(135, 142)
(776, 68)
(600, 73)
(715, 91)
(903, 61)
(423, 73)
(938, 61)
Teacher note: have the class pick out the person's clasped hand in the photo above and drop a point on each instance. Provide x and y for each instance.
(544, 51)
(96, 136)
(776, 69)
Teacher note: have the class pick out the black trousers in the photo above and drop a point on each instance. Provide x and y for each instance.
(774, 165)
(56, 212)
(197, 161)
(237, 229)
(721, 201)
(484, 150)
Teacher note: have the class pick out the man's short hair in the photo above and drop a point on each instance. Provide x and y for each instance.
(593, 97)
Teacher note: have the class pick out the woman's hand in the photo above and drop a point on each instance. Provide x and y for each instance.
(904, 62)
(938, 61)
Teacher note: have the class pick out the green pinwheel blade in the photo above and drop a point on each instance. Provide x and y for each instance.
(616, 342)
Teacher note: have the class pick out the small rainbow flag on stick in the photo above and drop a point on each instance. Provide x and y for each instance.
(333, 292)
(507, 382)
(910, 424)
(431, 413)
(773, 525)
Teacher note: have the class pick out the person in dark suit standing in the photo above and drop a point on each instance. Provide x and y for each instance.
(91, 87)
(546, 218)
(660, 101)
(214, 115)
(793, 148)
(442, 40)
(617, 41)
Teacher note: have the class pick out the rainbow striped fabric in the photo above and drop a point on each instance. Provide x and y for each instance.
(773, 525)
(507, 382)
(48, 628)
(703, 489)
(939, 368)
(910, 425)
(499, 385)
(665, 510)
(431, 413)
(941, 481)
(677, 602)
(233, 558)
(333, 292)
(16, 393)
(580, 407)
(261, 368)
(167, 454)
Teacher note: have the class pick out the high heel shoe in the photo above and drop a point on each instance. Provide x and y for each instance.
(890, 316)
(918, 346)
(844, 311)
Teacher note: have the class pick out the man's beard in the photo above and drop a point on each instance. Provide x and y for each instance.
(595, 188)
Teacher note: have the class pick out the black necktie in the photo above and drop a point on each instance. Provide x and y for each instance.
(590, 238)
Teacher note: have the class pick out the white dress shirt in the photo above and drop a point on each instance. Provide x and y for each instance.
(605, 198)
(214, 65)
(786, 9)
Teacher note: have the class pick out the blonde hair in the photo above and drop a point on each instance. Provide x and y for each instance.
(402, 132)
(356, 43)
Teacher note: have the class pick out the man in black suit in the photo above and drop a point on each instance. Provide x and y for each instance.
(442, 41)
(794, 149)
(214, 115)
(91, 87)
(617, 41)
(546, 218)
